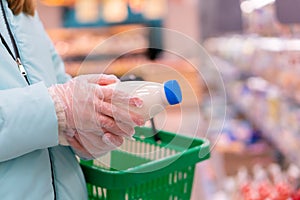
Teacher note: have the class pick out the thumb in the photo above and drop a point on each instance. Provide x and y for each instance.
(105, 79)
(101, 79)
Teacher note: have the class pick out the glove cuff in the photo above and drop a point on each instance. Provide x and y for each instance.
(61, 117)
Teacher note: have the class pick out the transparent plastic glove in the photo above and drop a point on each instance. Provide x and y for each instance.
(94, 146)
(90, 145)
(87, 107)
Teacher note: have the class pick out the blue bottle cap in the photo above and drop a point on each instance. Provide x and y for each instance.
(173, 92)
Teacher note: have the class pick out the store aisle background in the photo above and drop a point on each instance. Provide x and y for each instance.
(259, 60)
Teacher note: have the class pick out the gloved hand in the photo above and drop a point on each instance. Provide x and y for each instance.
(94, 146)
(84, 106)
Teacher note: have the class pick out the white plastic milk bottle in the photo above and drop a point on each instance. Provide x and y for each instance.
(155, 96)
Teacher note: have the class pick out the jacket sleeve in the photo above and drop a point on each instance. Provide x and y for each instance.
(27, 121)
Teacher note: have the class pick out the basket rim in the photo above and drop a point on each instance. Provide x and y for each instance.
(129, 177)
(204, 146)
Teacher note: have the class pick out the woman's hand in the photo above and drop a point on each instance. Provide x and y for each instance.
(90, 146)
(87, 106)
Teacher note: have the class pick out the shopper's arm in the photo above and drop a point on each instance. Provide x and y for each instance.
(27, 121)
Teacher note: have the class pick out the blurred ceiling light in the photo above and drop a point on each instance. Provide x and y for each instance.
(246, 7)
(154, 9)
(87, 10)
(58, 2)
(136, 5)
(249, 6)
(115, 10)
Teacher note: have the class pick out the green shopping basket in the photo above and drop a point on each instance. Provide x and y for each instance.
(146, 168)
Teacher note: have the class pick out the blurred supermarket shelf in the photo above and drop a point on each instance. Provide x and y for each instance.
(74, 44)
(275, 59)
(264, 105)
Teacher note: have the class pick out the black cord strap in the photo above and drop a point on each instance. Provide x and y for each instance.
(17, 57)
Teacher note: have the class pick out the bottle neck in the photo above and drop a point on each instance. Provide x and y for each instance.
(163, 97)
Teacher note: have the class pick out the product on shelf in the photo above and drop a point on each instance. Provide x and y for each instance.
(262, 183)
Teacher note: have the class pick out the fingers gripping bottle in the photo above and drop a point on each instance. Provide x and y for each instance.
(155, 96)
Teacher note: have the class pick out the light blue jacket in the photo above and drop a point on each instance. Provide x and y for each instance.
(32, 164)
